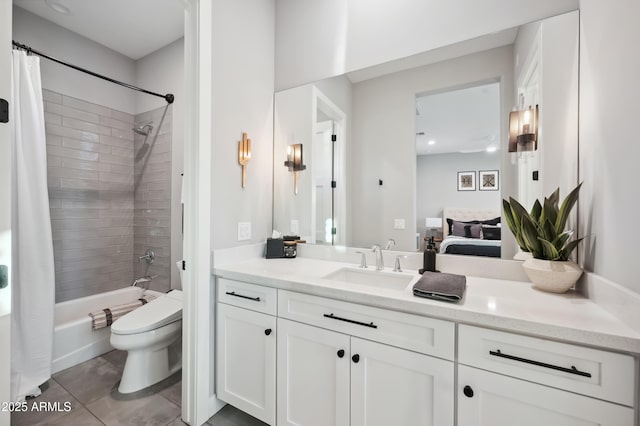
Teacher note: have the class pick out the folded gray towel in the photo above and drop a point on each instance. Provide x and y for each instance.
(440, 286)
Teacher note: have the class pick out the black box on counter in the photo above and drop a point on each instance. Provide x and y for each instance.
(279, 248)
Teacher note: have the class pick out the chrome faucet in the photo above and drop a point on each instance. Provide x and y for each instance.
(363, 260)
(148, 257)
(377, 250)
(398, 267)
(142, 280)
(391, 243)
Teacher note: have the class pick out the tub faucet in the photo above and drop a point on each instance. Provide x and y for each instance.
(142, 280)
(377, 250)
(149, 257)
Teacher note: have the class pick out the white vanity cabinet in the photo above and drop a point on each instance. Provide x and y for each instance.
(328, 377)
(392, 386)
(533, 382)
(246, 348)
(313, 376)
(294, 359)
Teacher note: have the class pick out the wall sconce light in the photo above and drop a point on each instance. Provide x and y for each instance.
(244, 155)
(294, 163)
(523, 129)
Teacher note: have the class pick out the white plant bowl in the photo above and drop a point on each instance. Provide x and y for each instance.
(552, 275)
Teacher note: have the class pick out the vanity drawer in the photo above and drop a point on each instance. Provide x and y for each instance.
(250, 296)
(601, 374)
(426, 335)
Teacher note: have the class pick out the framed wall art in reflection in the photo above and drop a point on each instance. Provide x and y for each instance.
(488, 180)
(467, 181)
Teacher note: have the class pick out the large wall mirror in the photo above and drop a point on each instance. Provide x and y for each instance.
(393, 151)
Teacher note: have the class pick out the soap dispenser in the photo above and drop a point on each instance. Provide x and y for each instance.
(429, 257)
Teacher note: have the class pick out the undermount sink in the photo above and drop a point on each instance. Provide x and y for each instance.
(371, 278)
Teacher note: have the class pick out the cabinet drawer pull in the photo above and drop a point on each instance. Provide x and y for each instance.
(572, 370)
(340, 353)
(371, 324)
(233, 293)
(355, 358)
(267, 331)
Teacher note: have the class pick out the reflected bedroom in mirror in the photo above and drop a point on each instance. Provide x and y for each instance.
(423, 149)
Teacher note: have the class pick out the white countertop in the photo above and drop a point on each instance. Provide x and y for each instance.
(507, 305)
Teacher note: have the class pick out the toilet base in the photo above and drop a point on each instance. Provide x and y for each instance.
(144, 368)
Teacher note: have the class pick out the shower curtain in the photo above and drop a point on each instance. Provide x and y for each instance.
(33, 286)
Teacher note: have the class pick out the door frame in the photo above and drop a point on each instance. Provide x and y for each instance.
(199, 402)
(5, 209)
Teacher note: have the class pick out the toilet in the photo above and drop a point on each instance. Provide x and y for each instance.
(151, 336)
(147, 334)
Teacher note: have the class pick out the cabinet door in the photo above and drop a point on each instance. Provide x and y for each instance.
(391, 386)
(313, 376)
(490, 399)
(246, 363)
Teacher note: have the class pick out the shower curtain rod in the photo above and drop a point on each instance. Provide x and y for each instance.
(168, 97)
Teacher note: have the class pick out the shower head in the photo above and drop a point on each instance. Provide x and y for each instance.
(143, 130)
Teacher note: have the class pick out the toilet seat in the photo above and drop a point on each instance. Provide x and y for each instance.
(155, 314)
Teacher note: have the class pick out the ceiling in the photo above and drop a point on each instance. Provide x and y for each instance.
(134, 28)
(464, 120)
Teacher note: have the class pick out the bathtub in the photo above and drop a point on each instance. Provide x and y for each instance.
(73, 339)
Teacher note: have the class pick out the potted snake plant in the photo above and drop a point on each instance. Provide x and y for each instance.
(542, 233)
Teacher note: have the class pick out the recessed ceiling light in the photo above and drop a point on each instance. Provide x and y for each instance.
(58, 7)
(432, 142)
(492, 149)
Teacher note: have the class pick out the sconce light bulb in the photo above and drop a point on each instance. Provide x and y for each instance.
(527, 116)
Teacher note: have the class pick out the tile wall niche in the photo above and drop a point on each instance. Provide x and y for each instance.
(92, 196)
(152, 197)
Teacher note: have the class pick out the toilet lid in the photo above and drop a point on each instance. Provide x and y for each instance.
(155, 314)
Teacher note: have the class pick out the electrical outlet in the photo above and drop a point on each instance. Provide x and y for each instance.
(398, 223)
(244, 231)
(294, 227)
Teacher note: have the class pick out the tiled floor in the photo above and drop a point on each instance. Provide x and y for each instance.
(92, 390)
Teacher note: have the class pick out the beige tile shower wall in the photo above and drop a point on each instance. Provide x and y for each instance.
(90, 175)
(152, 198)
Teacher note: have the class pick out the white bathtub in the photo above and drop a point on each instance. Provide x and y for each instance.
(73, 339)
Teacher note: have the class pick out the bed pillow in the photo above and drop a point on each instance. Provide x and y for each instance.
(493, 222)
(468, 230)
(475, 230)
(491, 232)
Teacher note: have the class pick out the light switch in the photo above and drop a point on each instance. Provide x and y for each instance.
(244, 231)
(398, 223)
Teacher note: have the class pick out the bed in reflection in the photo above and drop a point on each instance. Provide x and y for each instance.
(471, 232)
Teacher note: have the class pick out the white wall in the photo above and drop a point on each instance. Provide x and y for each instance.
(320, 39)
(243, 75)
(436, 184)
(384, 140)
(163, 72)
(609, 148)
(68, 46)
